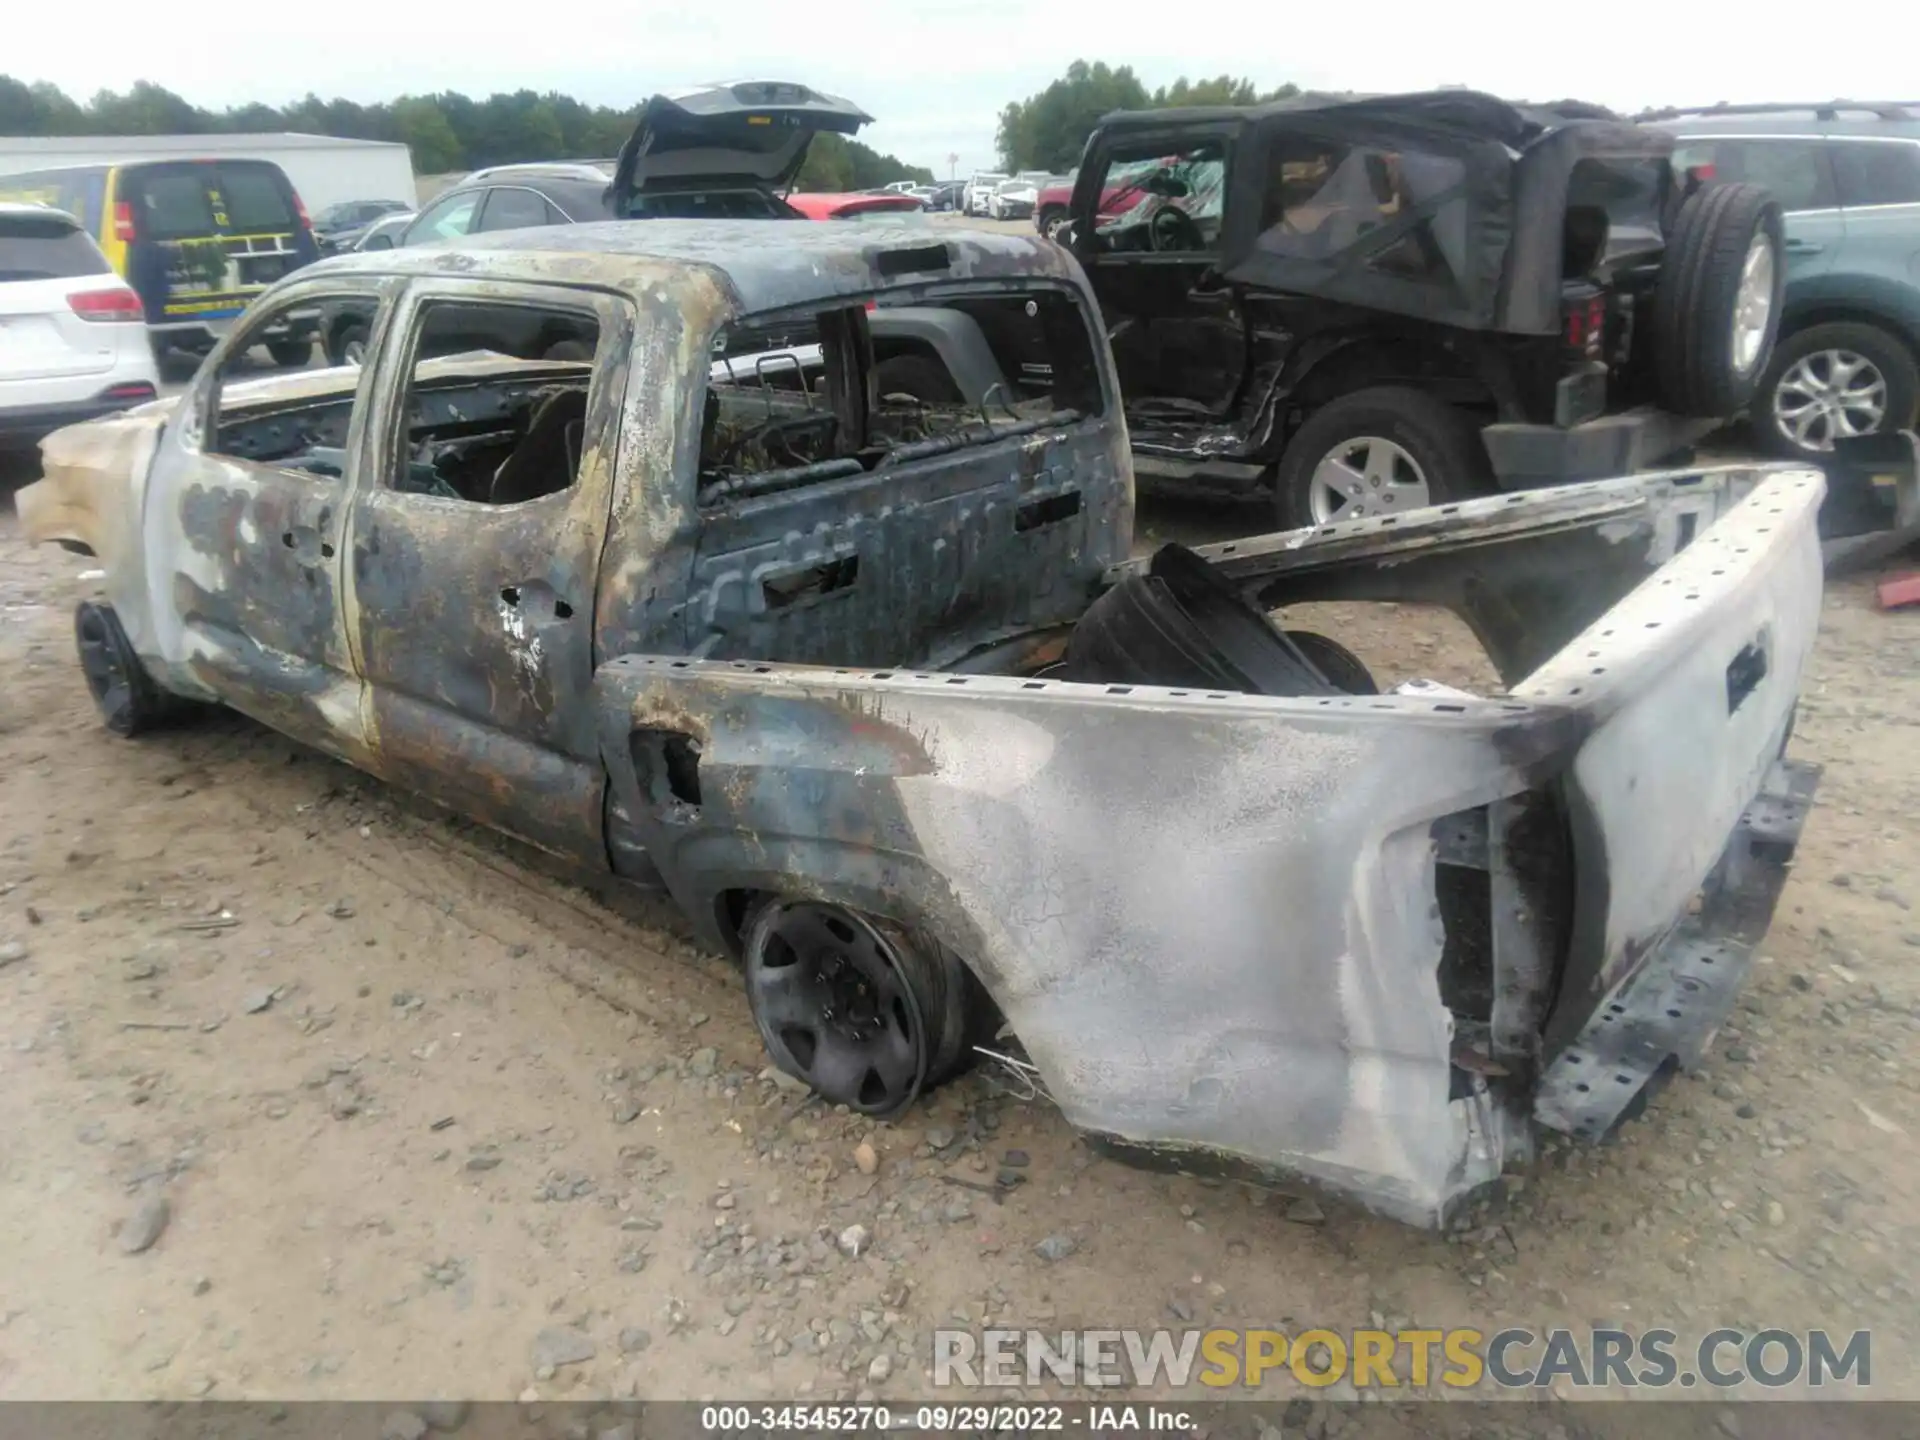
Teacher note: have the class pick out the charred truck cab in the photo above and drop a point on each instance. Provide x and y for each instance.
(1369, 305)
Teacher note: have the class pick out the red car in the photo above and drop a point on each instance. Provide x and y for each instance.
(1122, 193)
(854, 206)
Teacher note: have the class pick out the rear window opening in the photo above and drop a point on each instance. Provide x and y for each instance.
(46, 247)
(802, 398)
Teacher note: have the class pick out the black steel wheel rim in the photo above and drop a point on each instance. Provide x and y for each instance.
(835, 1008)
(101, 663)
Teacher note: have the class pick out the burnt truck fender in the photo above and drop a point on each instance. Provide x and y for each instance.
(1354, 942)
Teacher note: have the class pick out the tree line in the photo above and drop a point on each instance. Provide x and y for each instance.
(445, 132)
(1047, 131)
(450, 131)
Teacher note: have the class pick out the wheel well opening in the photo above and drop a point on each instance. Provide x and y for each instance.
(1801, 320)
(730, 911)
(1414, 363)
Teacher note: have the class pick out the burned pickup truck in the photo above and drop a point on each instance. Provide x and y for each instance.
(875, 691)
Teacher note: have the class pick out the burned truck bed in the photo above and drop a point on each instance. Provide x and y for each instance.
(1364, 940)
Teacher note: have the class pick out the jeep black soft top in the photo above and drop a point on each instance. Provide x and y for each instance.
(1369, 303)
(1489, 178)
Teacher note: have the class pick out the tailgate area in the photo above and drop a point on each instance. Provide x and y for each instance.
(1683, 809)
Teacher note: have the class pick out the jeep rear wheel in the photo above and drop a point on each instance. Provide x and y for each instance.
(1379, 452)
(1716, 308)
(919, 377)
(349, 344)
(1833, 382)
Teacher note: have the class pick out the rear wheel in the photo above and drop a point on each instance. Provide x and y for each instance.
(349, 344)
(173, 363)
(124, 694)
(1833, 382)
(1051, 219)
(1379, 452)
(921, 377)
(1716, 307)
(867, 1012)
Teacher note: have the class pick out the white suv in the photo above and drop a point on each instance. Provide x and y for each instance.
(979, 192)
(73, 337)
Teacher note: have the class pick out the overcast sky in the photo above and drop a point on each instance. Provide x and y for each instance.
(936, 72)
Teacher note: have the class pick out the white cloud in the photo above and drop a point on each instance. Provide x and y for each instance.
(936, 72)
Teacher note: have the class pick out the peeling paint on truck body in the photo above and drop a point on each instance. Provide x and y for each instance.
(1361, 941)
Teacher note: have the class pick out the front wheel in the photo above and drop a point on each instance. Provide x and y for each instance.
(289, 353)
(123, 692)
(1379, 452)
(1834, 382)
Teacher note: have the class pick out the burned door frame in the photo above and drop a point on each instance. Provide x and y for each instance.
(1136, 270)
(820, 572)
(245, 557)
(473, 623)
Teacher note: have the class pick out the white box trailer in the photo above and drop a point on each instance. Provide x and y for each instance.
(324, 170)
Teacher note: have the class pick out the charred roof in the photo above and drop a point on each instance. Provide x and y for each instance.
(767, 264)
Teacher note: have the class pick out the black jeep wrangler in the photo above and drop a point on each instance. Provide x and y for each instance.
(1374, 304)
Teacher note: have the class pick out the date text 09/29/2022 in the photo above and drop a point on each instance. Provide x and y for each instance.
(941, 1419)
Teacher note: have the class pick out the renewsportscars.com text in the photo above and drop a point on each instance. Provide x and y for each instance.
(1459, 1358)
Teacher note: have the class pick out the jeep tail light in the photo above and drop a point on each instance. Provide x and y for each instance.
(1700, 174)
(300, 211)
(1587, 325)
(119, 303)
(123, 228)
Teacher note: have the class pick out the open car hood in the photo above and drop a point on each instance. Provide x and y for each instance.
(751, 133)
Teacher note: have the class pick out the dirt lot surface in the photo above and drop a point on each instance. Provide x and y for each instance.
(428, 1121)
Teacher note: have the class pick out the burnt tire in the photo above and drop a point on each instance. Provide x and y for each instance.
(920, 376)
(569, 350)
(1880, 392)
(1702, 341)
(1441, 441)
(289, 354)
(869, 1013)
(123, 692)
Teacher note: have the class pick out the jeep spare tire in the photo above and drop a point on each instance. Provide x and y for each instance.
(1716, 306)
